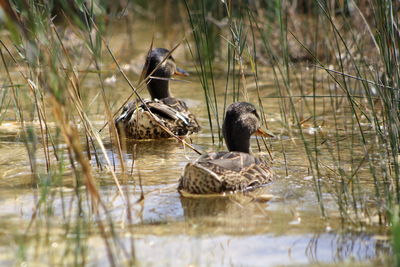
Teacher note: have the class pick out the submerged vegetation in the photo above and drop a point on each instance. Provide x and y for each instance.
(336, 75)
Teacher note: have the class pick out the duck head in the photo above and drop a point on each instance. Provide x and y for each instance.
(160, 60)
(241, 121)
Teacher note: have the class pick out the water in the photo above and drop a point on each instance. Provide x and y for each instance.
(163, 228)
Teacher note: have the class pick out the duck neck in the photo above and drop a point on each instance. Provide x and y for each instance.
(237, 140)
(239, 145)
(158, 88)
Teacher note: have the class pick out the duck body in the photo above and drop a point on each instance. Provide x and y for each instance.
(220, 172)
(136, 121)
(235, 170)
(150, 119)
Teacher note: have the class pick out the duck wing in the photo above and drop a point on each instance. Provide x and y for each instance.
(175, 103)
(237, 162)
(225, 171)
(136, 121)
(168, 112)
(234, 161)
(178, 111)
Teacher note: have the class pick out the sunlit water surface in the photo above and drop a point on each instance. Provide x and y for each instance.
(165, 229)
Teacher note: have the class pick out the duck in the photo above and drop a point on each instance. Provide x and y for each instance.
(148, 119)
(233, 170)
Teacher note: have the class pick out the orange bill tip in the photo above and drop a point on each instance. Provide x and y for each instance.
(263, 132)
(181, 72)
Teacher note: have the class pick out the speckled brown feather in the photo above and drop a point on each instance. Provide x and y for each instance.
(225, 171)
(136, 122)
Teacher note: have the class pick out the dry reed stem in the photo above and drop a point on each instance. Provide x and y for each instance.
(71, 137)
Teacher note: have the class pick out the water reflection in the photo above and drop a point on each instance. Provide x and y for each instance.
(163, 148)
(214, 249)
(204, 231)
(231, 214)
(344, 246)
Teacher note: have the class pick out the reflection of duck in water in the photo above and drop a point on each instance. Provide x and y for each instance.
(162, 148)
(236, 214)
(236, 170)
(135, 120)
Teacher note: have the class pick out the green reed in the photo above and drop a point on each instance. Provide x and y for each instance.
(395, 221)
(244, 38)
(384, 120)
(57, 95)
(220, 32)
(365, 79)
(205, 38)
(48, 71)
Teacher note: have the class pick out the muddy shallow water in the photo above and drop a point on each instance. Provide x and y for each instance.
(165, 229)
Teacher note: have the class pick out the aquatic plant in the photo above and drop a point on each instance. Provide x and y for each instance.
(47, 69)
(350, 49)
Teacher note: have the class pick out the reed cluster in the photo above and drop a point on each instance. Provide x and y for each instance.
(48, 48)
(351, 53)
(347, 120)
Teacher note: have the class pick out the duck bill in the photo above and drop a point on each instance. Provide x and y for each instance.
(181, 72)
(263, 132)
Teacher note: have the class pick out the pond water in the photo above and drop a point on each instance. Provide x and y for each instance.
(163, 228)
